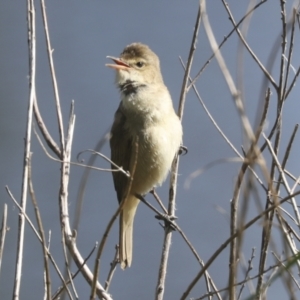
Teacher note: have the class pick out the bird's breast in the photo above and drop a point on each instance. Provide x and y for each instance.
(157, 145)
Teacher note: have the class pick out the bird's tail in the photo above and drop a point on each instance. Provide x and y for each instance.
(126, 230)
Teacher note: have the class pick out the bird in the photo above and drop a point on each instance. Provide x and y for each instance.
(145, 136)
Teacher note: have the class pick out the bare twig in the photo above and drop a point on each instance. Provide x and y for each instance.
(36, 233)
(65, 146)
(61, 289)
(249, 268)
(32, 71)
(286, 184)
(41, 231)
(48, 138)
(193, 81)
(118, 169)
(281, 90)
(291, 47)
(53, 76)
(156, 197)
(228, 241)
(240, 282)
(113, 218)
(3, 230)
(173, 180)
(113, 266)
(265, 71)
(82, 185)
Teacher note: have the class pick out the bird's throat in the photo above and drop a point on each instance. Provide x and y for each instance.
(130, 87)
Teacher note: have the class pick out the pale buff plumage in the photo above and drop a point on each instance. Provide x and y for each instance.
(145, 115)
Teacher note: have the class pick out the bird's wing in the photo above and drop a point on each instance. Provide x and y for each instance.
(121, 145)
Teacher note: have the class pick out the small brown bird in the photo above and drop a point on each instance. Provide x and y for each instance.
(145, 118)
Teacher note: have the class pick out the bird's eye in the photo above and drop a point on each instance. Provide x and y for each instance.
(139, 64)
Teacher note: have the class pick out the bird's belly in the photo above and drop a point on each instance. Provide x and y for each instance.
(156, 151)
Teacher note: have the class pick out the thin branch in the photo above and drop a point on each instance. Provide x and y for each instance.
(265, 71)
(176, 227)
(289, 272)
(239, 283)
(113, 266)
(193, 81)
(41, 231)
(67, 267)
(32, 72)
(118, 169)
(248, 270)
(37, 234)
(228, 241)
(283, 49)
(46, 135)
(286, 184)
(160, 287)
(53, 76)
(227, 76)
(113, 218)
(61, 289)
(293, 83)
(291, 47)
(156, 197)
(3, 232)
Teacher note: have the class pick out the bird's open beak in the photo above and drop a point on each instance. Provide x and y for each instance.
(120, 65)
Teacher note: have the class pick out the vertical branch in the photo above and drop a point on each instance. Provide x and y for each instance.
(3, 232)
(173, 180)
(65, 148)
(283, 48)
(291, 47)
(32, 70)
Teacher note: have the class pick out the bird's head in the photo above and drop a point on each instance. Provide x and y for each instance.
(138, 65)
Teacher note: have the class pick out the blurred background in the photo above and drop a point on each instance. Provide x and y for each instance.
(82, 34)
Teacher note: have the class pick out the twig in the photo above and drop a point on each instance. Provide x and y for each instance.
(286, 185)
(36, 233)
(266, 106)
(226, 74)
(286, 155)
(265, 71)
(32, 71)
(193, 81)
(176, 227)
(61, 289)
(82, 185)
(113, 218)
(118, 169)
(289, 272)
(291, 47)
(67, 267)
(48, 138)
(249, 268)
(3, 232)
(238, 283)
(53, 77)
(83, 181)
(250, 158)
(228, 241)
(65, 146)
(113, 266)
(281, 90)
(160, 287)
(41, 231)
(156, 197)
